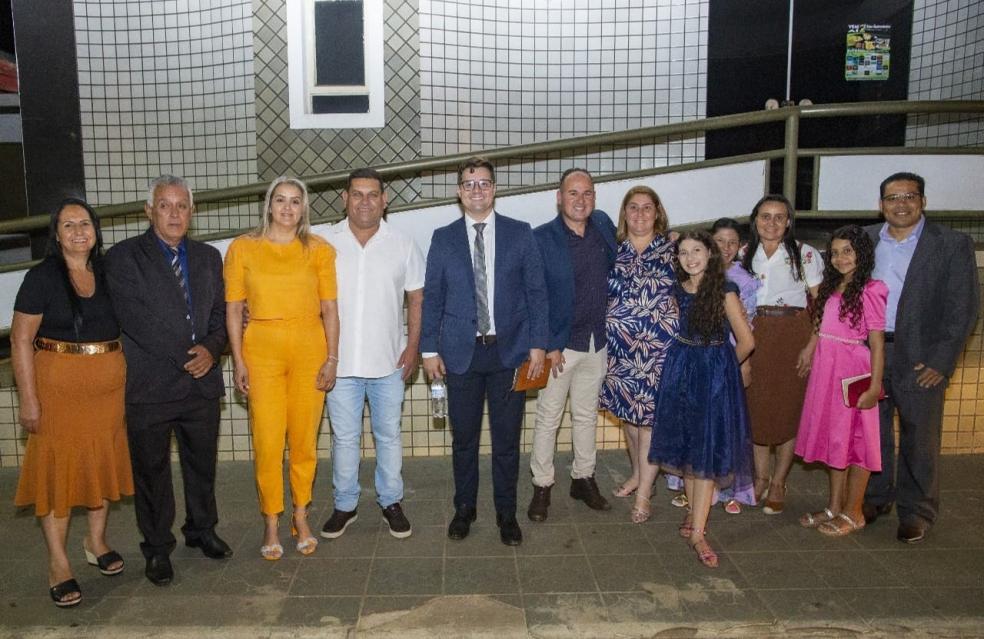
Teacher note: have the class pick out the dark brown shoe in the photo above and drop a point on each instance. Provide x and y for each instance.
(872, 511)
(587, 491)
(540, 503)
(911, 533)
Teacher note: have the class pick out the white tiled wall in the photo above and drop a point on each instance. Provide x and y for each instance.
(166, 86)
(503, 72)
(947, 64)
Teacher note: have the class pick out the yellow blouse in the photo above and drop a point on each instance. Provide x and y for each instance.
(280, 281)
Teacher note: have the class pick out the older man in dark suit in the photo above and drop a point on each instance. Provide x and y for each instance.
(931, 275)
(484, 313)
(169, 297)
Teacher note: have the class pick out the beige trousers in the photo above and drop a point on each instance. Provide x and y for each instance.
(581, 380)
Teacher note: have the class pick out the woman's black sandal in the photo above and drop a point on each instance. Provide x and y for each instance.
(104, 561)
(60, 591)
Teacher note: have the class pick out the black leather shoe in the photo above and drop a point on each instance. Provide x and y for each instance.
(872, 512)
(212, 546)
(587, 491)
(159, 570)
(509, 531)
(911, 533)
(540, 504)
(460, 524)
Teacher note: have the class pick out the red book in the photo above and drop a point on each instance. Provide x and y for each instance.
(853, 387)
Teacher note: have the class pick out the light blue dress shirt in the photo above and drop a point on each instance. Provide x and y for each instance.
(892, 259)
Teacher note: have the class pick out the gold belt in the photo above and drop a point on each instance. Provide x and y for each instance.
(77, 348)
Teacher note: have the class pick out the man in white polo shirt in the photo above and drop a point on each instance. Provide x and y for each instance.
(376, 266)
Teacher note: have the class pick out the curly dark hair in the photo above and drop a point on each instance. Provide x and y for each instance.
(706, 319)
(851, 308)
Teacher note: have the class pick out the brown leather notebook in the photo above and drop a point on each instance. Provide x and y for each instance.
(521, 381)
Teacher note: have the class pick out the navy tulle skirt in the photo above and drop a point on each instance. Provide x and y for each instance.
(702, 426)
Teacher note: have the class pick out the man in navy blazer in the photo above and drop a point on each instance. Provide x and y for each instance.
(485, 312)
(578, 249)
(169, 297)
(933, 297)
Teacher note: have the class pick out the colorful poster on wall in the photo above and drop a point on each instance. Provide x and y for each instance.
(868, 52)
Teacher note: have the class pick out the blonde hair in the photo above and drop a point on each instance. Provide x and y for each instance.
(304, 227)
(661, 222)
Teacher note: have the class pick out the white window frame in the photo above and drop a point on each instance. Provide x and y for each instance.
(302, 71)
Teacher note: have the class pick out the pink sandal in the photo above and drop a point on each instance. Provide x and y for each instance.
(704, 552)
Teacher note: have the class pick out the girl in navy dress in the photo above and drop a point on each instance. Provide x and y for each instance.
(701, 430)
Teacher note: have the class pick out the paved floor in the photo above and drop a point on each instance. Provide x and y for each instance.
(580, 574)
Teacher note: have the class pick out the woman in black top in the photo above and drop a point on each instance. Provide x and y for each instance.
(70, 376)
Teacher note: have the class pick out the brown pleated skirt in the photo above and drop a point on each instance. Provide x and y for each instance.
(79, 456)
(775, 397)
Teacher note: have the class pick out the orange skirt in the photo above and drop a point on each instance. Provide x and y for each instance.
(79, 456)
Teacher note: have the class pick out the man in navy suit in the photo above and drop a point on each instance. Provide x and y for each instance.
(578, 249)
(933, 297)
(169, 297)
(485, 312)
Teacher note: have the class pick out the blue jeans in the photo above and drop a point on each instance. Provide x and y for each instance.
(345, 407)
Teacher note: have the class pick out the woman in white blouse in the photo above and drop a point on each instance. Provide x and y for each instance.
(788, 271)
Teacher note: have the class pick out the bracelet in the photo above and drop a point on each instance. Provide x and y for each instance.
(332, 358)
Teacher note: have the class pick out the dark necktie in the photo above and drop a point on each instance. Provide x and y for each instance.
(179, 273)
(481, 281)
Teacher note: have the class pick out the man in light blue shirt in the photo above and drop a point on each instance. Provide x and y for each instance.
(931, 275)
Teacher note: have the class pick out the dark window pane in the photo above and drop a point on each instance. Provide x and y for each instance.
(340, 103)
(339, 32)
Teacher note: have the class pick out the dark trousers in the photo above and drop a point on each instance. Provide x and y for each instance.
(486, 379)
(195, 424)
(913, 482)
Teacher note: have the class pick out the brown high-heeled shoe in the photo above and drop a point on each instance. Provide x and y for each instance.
(775, 506)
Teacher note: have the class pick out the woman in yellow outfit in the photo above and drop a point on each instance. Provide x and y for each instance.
(286, 358)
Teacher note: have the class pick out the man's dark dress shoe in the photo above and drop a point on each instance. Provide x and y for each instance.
(911, 533)
(587, 491)
(159, 570)
(460, 524)
(212, 546)
(872, 512)
(540, 504)
(509, 531)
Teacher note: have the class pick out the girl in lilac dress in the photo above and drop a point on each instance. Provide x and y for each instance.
(848, 340)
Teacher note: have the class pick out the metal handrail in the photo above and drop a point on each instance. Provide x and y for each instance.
(790, 115)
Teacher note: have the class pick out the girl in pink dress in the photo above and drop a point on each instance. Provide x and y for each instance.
(848, 340)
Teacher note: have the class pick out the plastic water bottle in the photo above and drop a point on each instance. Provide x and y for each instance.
(439, 399)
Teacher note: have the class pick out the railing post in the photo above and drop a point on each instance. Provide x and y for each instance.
(792, 149)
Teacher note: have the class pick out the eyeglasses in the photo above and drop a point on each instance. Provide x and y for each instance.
(769, 218)
(901, 197)
(645, 209)
(482, 185)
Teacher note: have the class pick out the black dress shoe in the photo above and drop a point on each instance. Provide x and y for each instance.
(460, 524)
(540, 504)
(159, 570)
(587, 491)
(509, 531)
(911, 533)
(872, 511)
(212, 546)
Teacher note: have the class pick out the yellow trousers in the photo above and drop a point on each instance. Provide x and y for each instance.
(283, 358)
